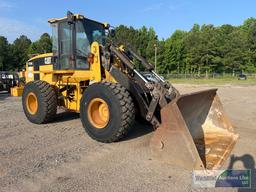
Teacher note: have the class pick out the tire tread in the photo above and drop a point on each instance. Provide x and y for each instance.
(127, 109)
(49, 100)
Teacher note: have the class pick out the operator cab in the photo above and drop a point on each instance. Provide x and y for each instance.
(72, 37)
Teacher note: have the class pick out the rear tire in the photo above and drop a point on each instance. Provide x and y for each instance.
(45, 99)
(120, 110)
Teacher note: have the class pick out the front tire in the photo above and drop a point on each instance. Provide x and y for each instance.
(39, 102)
(107, 111)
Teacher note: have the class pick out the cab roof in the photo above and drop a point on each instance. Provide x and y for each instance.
(77, 16)
(54, 20)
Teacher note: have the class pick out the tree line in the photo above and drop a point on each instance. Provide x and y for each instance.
(13, 56)
(203, 49)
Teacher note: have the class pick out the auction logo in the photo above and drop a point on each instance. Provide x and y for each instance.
(222, 178)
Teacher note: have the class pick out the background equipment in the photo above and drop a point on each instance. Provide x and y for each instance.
(8, 80)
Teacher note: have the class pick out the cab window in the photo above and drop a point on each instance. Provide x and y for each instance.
(82, 47)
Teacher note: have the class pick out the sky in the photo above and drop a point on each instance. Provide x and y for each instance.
(30, 18)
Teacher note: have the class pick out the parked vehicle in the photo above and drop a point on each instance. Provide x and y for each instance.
(104, 86)
(242, 77)
(8, 80)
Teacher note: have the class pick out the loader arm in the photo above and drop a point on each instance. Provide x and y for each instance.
(192, 131)
(150, 96)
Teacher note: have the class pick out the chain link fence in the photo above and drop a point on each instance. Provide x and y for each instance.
(208, 76)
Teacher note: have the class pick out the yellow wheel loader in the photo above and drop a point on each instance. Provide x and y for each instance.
(88, 73)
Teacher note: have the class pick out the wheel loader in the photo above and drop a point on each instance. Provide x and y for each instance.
(90, 74)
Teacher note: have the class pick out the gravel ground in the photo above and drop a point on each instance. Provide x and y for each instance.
(60, 157)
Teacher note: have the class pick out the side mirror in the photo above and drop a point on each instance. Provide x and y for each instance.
(112, 33)
(71, 17)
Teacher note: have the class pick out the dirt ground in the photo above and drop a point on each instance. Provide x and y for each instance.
(60, 157)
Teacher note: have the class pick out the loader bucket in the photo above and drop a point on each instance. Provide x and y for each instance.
(195, 132)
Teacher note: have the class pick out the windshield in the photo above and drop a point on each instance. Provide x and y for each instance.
(95, 31)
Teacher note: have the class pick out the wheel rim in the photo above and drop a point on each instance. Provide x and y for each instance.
(32, 103)
(98, 113)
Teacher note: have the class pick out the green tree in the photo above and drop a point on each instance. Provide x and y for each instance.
(20, 48)
(249, 27)
(193, 45)
(4, 53)
(43, 45)
(174, 53)
(140, 40)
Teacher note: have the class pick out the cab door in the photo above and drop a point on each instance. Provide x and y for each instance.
(71, 45)
(82, 47)
(66, 57)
